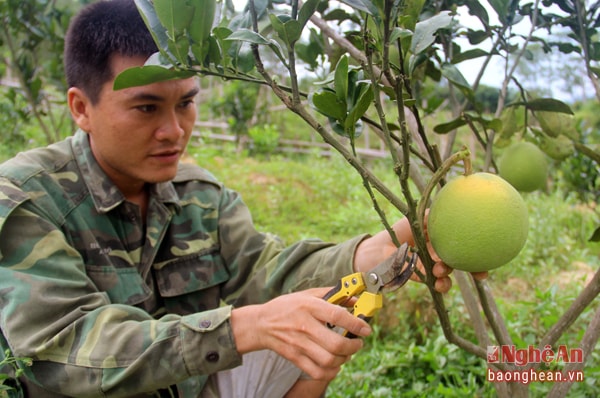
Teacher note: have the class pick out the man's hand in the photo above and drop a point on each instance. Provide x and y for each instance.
(295, 326)
(377, 248)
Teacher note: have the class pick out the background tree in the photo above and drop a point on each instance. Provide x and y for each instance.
(31, 38)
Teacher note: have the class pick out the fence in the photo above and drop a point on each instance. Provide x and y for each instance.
(204, 132)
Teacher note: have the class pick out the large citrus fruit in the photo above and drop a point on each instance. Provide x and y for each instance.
(558, 123)
(524, 166)
(477, 222)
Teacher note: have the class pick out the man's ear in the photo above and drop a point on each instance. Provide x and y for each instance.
(80, 106)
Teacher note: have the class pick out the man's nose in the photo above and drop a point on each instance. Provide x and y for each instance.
(171, 127)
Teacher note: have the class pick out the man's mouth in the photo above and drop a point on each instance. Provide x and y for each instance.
(168, 155)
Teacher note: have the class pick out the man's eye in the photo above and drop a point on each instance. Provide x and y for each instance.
(146, 108)
(186, 104)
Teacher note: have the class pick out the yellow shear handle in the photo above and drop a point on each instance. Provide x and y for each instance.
(346, 288)
(365, 308)
(367, 303)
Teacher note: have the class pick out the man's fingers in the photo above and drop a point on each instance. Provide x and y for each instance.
(315, 370)
(480, 275)
(308, 357)
(319, 291)
(339, 316)
(443, 285)
(441, 270)
(316, 349)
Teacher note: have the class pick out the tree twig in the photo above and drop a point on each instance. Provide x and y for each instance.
(492, 314)
(589, 293)
(588, 343)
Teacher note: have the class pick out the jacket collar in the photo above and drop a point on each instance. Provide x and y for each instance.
(105, 194)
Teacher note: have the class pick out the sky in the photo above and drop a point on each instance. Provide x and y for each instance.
(495, 71)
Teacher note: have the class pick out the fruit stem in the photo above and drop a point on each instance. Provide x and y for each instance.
(465, 156)
(467, 164)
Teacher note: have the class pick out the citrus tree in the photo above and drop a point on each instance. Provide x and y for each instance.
(373, 58)
(31, 44)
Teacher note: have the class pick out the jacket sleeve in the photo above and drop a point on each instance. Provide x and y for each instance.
(262, 267)
(82, 344)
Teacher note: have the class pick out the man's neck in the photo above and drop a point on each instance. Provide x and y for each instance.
(140, 198)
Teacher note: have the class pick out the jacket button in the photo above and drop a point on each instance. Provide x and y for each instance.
(205, 324)
(212, 356)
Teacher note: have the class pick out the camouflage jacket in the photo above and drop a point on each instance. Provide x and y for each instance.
(107, 305)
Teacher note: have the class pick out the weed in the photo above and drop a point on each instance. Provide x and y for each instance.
(14, 367)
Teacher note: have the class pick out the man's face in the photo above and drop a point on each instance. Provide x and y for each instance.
(138, 134)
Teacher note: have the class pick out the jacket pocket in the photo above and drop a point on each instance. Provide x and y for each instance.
(123, 285)
(191, 273)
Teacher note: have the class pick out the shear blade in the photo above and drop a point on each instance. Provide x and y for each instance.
(394, 271)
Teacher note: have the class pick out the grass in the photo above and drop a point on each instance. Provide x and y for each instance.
(298, 199)
(408, 354)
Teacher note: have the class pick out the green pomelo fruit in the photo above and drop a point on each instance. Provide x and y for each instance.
(558, 148)
(557, 123)
(478, 222)
(524, 166)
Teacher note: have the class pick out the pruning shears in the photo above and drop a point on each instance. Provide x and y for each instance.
(368, 287)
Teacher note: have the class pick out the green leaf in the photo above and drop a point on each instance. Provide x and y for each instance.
(362, 104)
(339, 15)
(477, 9)
(399, 33)
(289, 31)
(310, 51)
(410, 11)
(506, 10)
(306, 11)
(35, 87)
(353, 132)
(327, 103)
(244, 61)
(249, 36)
(501, 8)
(415, 61)
(363, 6)
(202, 21)
(425, 31)
(174, 15)
(595, 236)
(487, 122)
(277, 23)
(180, 49)
(468, 55)
(210, 51)
(200, 28)
(547, 104)
(453, 75)
(158, 31)
(340, 83)
(148, 74)
(445, 128)
(223, 47)
(477, 36)
(215, 54)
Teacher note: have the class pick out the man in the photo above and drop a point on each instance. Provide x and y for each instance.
(125, 273)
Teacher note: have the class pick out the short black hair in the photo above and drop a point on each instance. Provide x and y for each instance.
(95, 34)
